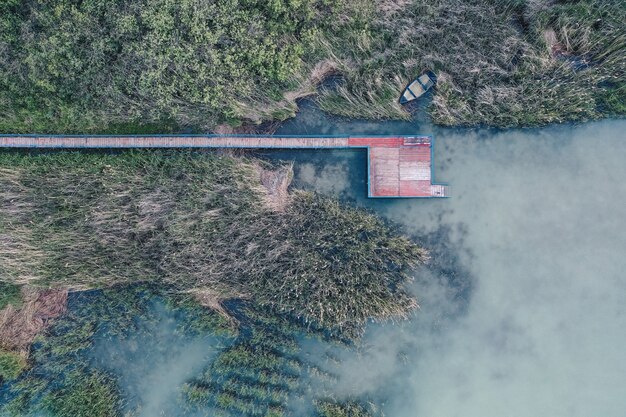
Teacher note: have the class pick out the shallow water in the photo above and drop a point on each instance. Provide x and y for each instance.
(153, 363)
(524, 308)
(522, 305)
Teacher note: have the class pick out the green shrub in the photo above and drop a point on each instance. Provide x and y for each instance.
(139, 66)
(147, 66)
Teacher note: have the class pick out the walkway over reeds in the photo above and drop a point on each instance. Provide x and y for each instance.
(398, 166)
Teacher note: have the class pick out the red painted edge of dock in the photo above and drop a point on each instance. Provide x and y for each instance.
(398, 166)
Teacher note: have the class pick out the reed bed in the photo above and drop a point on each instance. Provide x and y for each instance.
(493, 63)
(258, 372)
(259, 375)
(197, 220)
(10, 294)
(60, 378)
(345, 409)
(176, 224)
(84, 394)
(98, 66)
(11, 365)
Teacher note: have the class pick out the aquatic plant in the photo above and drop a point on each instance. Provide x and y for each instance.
(23, 393)
(248, 357)
(138, 224)
(257, 374)
(91, 394)
(494, 63)
(270, 339)
(262, 373)
(63, 378)
(120, 66)
(344, 409)
(198, 318)
(194, 220)
(11, 365)
(10, 294)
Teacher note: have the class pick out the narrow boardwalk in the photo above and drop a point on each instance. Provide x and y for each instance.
(399, 166)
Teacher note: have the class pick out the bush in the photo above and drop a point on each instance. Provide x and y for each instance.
(139, 66)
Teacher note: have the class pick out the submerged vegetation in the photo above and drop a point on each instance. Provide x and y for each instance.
(258, 369)
(136, 66)
(260, 374)
(63, 379)
(84, 395)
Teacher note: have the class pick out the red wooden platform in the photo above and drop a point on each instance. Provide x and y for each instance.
(399, 166)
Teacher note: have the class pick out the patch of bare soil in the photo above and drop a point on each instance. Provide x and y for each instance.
(276, 185)
(19, 327)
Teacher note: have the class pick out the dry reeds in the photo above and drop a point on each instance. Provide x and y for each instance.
(19, 326)
(197, 221)
(491, 59)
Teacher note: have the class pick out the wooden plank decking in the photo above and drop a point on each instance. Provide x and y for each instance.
(398, 166)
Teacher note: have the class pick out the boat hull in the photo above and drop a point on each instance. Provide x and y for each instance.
(417, 88)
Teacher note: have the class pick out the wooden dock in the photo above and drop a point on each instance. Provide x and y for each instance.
(398, 166)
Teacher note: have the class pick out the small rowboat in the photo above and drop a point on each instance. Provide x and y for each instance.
(418, 87)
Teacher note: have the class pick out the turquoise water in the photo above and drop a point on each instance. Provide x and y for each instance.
(522, 304)
(523, 308)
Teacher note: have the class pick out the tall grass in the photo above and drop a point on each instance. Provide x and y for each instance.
(62, 380)
(84, 395)
(11, 365)
(492, 62)
(260, 374)
(142, 66)
(10, 294)
(346, 409)
(197, 220)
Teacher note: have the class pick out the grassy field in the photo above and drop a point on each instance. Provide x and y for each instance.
(197, 221)
(138, 66)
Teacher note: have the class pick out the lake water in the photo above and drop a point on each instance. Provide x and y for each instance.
(523, 305)
(523, 309)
